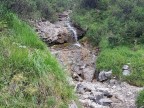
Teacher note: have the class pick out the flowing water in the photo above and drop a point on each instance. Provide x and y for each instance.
(73, 32)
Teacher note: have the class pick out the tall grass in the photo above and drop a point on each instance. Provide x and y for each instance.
(140, 100)
(30, 76)
(115, 58)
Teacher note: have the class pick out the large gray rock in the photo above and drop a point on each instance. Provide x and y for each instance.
(88, 73)
(103, 75)
(53, 33)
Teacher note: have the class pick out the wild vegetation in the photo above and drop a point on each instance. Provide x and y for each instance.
(117, 27)
(30, 76)
(119, 20)
(36, 9)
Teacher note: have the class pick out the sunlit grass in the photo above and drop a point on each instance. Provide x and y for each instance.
(30, 76)
(115, 58)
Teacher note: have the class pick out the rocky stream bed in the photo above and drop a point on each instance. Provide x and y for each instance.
(80, 61)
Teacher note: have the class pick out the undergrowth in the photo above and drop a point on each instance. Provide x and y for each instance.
(30, 76)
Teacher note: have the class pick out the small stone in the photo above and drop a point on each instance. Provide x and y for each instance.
(107, 94)
(80, 88)
(76, 77)
(114, 87)
(105, 102)
(126, 72)
(85, 96)
(113, 82)
(125, 67)
(83, 66)
(95, 105)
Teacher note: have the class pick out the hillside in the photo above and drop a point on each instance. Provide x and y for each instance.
(30, 75)
(52, 50)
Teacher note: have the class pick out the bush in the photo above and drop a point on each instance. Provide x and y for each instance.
(122, 19)
(35, 9)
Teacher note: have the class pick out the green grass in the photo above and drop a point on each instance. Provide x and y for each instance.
(30, 77)
(140, 100)
(115, 58)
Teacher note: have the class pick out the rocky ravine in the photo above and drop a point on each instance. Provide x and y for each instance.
(80, 61)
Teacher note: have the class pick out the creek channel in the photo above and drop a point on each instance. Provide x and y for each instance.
(79, 60)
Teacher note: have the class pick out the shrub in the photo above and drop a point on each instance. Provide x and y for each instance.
(123, 19)
(38, 8)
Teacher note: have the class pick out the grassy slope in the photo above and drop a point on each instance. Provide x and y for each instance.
(117, 57)
(30, 76)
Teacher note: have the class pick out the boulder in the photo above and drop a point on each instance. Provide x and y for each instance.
(88, 73)
(103, 75)
(53, 33)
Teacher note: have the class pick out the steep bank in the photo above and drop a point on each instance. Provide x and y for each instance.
(30, 76)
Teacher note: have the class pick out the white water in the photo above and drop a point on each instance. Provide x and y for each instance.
(74, 33)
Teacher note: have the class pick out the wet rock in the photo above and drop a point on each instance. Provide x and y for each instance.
(80, 31)
(104, 75)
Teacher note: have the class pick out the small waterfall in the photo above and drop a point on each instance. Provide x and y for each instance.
(73, 32)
